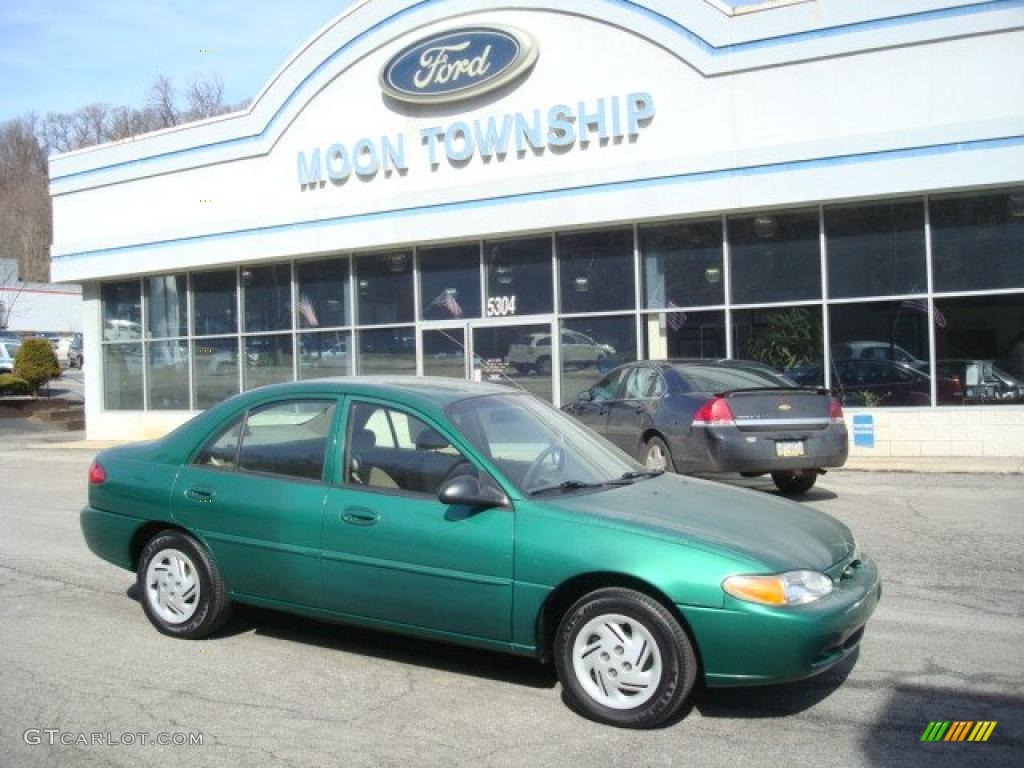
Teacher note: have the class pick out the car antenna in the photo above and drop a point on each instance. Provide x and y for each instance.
(477, 358)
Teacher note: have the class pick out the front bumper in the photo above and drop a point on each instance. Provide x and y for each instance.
(748, 644)
(730, 449)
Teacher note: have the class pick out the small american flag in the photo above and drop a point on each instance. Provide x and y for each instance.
(308, 313)
(675, 320)
(446, 300)
(921, 305)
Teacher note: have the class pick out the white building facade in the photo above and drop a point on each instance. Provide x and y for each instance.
(541, 191)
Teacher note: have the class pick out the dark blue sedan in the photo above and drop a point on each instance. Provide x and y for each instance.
(706, 416)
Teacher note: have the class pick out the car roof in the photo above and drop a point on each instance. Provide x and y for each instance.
(430, 392)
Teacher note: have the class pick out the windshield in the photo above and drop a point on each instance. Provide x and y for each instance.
(537, 447)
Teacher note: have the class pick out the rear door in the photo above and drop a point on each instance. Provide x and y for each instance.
(255, 493)
(393, 552)
(632, 413)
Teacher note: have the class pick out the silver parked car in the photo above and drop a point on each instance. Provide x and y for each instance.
(705, 416)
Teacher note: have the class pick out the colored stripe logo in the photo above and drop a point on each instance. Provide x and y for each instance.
(958, 730)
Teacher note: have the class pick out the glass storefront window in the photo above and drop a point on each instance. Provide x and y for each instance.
(775, 256)
(591, 347)
(876, 249)
(450, 282)
(596, 270)
(787, 339)
(215, 302)
(674, 335)
(979, 340)
(978, 241)
(215, 370)
(122, 310)
(267, 298)
(167, 375)
(519, 277)
(387, 351)
(268, 360)
(323, 293)
(166, 306)
(880, 354)
(444, 353)
(682, 264)
(516, 355)
(328, 353)
(122, 377)
(384, 288)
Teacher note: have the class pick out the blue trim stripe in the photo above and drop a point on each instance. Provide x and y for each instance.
(652, 182)
(665, 21)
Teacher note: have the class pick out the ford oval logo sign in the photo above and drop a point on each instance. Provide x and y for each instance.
(458, 64)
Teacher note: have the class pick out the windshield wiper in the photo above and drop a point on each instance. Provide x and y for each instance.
(575, 485)
(642, 475)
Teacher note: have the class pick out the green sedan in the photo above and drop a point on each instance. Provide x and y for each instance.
(475, 514)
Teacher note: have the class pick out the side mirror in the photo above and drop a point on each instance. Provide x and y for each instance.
(466, 491)
(585, 396)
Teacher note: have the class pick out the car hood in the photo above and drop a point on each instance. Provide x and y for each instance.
(781, 534)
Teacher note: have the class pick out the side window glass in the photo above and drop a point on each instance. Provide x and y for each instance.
(608, 387)
(222, 450)
(635, 385)
(392, 450)
(288, 439)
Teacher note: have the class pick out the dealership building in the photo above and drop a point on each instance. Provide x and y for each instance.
(536, 192)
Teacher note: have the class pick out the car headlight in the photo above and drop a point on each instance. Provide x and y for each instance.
(792, 588)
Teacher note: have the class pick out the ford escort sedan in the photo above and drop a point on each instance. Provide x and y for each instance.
(476, 514)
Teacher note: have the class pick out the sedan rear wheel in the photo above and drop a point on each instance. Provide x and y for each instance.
(623, 659)
(796, 482)
(657, 455)
(181, 589)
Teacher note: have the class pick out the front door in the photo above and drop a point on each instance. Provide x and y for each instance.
(255, 494)
(393, 552)
(632, 412)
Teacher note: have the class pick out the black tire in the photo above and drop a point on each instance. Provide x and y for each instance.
(212, 605)
(655, 443)
(795, 482)
(678, 660)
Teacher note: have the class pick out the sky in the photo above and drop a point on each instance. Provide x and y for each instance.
(59, 55)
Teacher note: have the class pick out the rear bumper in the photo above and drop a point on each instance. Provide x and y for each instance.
(747, 644)
(730, 449)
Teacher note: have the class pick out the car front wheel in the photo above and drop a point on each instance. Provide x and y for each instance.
(792, 483)
(181, 589)
(623, 659)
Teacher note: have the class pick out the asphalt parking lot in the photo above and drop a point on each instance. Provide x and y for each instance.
(78, 656)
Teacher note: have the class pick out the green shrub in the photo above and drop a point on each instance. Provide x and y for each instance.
(36, 363)
(12, 385)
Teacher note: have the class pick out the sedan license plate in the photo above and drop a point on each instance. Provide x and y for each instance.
(787, 449)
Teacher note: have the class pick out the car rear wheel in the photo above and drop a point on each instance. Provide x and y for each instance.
(795, 482)
(657, 456)
(181, 589)
(623, 659)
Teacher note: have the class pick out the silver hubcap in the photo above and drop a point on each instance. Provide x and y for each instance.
(617, 661)
(656, 458)
(172, 586)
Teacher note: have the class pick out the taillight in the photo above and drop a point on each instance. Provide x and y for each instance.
(958, 387)
(835, 411)
(714, 412)
(97, 474)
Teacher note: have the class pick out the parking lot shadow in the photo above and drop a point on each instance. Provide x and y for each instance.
(774, 700)
(765, 485)
(895, 737)
(368, 642)
(406, 650)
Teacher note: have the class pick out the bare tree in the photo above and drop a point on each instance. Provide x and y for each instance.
(163, 99)
(25, 226)
(205, 97)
